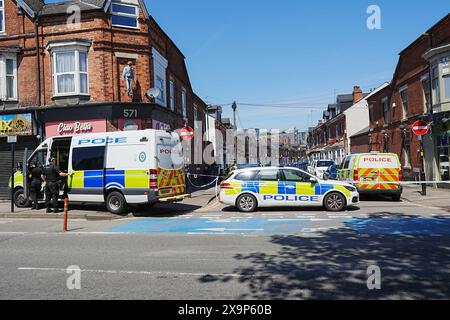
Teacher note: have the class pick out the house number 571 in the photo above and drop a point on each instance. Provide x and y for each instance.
(130, 113)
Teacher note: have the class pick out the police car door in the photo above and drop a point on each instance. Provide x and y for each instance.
(298, 188)
(268, 188)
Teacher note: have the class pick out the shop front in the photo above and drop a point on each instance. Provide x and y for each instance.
(20, 125)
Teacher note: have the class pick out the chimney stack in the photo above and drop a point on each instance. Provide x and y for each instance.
(357, 94)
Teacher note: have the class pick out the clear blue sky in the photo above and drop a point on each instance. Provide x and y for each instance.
(261, 51)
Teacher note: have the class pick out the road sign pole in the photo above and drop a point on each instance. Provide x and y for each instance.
(422, 168)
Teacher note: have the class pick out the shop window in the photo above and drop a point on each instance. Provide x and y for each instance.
(443, 145)
(124, 15)
(88, 158)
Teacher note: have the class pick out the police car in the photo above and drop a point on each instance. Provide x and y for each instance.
(250, 188)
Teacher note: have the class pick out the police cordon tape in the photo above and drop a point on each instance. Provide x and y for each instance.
(391, 182)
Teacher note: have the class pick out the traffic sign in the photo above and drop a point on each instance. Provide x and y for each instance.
(12, 139)
(187, 133)
(420, 128)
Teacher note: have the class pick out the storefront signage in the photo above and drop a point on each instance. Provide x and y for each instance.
(158, 125)
(64, 128)
(16, 125)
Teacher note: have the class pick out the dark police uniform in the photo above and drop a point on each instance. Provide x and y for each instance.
(35, 185)
(51, 173)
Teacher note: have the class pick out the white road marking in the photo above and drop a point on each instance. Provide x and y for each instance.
(226, 229)
(150, 273)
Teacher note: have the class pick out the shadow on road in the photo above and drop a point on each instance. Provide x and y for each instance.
(333, 265)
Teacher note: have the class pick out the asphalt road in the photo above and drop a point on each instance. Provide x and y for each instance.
(218, 253)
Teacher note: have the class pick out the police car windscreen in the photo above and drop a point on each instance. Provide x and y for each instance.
(378, 161)
(169, 154)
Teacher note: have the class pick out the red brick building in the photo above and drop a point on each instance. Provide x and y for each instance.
(62, 65)
(408, 99)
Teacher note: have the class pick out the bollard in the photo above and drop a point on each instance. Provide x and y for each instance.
(66, 212)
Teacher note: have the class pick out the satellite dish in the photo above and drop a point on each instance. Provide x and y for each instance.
(153, 92)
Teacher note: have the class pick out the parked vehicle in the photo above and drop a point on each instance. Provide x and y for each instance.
(115, 168)
(251, 188)
(331, 173)
(318, 167)
(373, 173)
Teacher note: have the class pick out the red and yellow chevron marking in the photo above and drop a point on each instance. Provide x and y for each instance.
(171, 179)
(365, 172)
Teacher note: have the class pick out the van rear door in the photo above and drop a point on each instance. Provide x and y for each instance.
(170, 164)
(379, 171)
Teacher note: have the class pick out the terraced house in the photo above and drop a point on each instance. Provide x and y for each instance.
(86, 66)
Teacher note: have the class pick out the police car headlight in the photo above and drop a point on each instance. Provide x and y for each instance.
(349, 188)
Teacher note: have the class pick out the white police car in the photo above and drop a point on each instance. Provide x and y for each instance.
(250, 188)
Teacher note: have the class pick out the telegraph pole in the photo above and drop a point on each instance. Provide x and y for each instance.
(234, 107)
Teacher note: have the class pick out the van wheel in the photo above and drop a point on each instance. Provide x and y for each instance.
(334, 202)
(20, 200)
(396, 197)
(116, 203)
(246, 203)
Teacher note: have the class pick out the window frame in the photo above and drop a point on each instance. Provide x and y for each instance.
(77, 73)
(184, 103)
(77, 149)
(172, 95)
(122, 14)
(284, 177)
(279, 175)
(4, 77)
(3, 24)
(405, 109)
(385, 107)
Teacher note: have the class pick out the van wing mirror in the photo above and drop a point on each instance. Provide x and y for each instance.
(313, 180)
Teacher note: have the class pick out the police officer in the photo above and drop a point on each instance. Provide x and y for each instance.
(36, 179)
(52, 175)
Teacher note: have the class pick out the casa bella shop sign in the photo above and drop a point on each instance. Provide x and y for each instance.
(74, 127)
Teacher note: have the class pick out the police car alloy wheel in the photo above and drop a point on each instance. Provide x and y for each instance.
(334, 202)
(116, 202)
(246, 203)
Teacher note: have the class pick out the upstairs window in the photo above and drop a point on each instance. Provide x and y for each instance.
(405, 102)
(183, 102)
(2, 16)
(70, 75)
(124, 15)
(8, 77)
(172, 95)
(385, 104)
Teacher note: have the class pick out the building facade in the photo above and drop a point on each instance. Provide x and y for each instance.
(87, 66)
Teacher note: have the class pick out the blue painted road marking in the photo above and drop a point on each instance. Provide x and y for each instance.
(217, 226)
(401, 226)
(271, 226)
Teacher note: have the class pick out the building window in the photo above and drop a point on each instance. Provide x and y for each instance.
(172, 95)
(160, 65)
(70, 72)
(447, 86)
(435, 84)
(2, 16)
(426, 93)
(8, 78)
(124, 15)
(385, 104)
(404, 98)
(183, 102)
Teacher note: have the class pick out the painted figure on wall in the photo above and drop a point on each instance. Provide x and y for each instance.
(128, 76)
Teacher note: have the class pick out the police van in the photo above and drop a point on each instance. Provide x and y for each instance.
(251, 188)
(373, 173)
(115, 168)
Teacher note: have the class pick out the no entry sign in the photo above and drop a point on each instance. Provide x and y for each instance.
(420, 128)
(187, 133)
